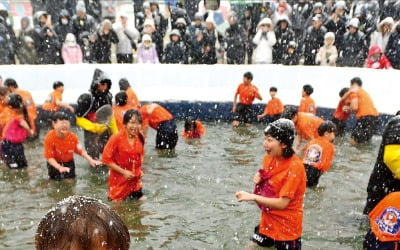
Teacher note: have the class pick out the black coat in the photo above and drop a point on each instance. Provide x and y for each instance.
(80, 25)
(283, 37)
(48, 47)
(313, 40)
(353, 51)
(102, 46)
(338, 28)
(393, 49)
(175, 52)
(6, 46)
(236, 42)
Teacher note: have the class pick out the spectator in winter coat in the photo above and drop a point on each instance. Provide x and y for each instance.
(213, 43)
(291, 55)
(249, 23)
(6, 46)
(390, 8)
(301, 11)
(93, 8)
(127, 37)
(108, 9)
(284, 34)
(317, 9)
(381, 35)
(327, 54)
(71, 52)
(393, 47)
(27, 53)
(10, 32)
(236, 41)
(82, 22)
(64, 26)
(147, 51)
(102, 45)
(377, 59)
(156, 36)
(26, 30)
(313, 40)
(264, 40)
(196, 33)
(336, 23)
(353, 51)
(175, 51)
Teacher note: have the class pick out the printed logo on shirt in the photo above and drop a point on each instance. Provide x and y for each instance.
(313, 153)
(389, 221)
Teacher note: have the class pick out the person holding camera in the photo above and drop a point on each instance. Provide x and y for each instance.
(264, 40)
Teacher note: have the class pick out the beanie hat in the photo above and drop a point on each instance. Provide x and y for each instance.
(80, 6)
(282, 130)
(354, 22)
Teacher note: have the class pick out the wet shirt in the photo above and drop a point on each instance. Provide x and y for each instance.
(366, 106)
(29, 104)
(119, 112)
(50, 104)
(118, 150)
(385, 218)
(307, 125)
(339, 113)
(288, 180)
(247, 93)
(6, 116)
(319, 153)
(197, 133)
(307, 105)
(274, 107)
(133, 101)
(61, 149)
(153, 114)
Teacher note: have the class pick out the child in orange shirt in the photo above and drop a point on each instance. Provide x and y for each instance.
(123, 154)
(60, 144)
(133, 100)
(307, 104)
(279, 192)
(247, 92)
(319, 152)
(341, 113)
(194, 129)
(120, 108)
(274, 107)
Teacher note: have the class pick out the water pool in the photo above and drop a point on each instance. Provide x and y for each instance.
(191, 203)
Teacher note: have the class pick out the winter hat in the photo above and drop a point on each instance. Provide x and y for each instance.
(175, 32)
(146, 37)
(354, 22)
(388, 20)
(80, 6)
(210, 20)
(340, 4)
(28, 39)
(70, 40)
(149, 22)
(318, 5)
(180, 20)
(317, 17)
(292, 44)
(282, 130)
(265, 21)
(330, 35)
(123, 84)
(198, 16)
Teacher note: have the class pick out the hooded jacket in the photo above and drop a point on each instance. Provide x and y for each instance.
(382, 62)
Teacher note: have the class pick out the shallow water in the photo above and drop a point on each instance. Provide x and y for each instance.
(190, 197)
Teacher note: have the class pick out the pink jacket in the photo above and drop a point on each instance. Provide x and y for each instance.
(71, 55)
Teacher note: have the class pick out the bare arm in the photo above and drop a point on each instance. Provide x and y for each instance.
(354, 104)
(64, 105)
(91, 161)
(274, 203)
(126, 173)
(234, 103)
(57, 166)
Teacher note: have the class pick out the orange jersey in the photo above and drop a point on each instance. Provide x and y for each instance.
(319, 153)
(153, 114)
(61, 149)
(247, 93)
(339, 113)
(307, 125)
(133, 101)
(119, 151)
(366, 106)
(6, 114)
(197, 133)
(307, 105)
(119, 112)
(50, 104)
(30, 106)
(288, 180)
(274, 107)
(385, 218)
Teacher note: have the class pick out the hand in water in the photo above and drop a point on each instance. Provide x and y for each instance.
(63, 170)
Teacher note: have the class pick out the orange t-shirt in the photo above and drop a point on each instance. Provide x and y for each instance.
(307, 125)
(61, 149)
(339, 113)
(30, 106)
(366, 106)
(119, 112)
(288, 180)
(50, 104)
(127, 156)
(274, 107)
(153, 114)
(6, 115)
(197, 133)
(133, 101)
(247, 93)
(307, 105)
(319, 153)
(385, 218)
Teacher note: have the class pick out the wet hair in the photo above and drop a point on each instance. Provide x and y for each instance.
(326, 126)
(121, 98)
(248, 75)
(123, 84)
(91, 224)
(289, 112)
(283, 131)
(343, 91)
(9, 82)
(57, 84)
(62, 116)
(128, 116)
(274, 89)
(3, 90)
(107, 82)
(190, 123)
(15, 102)
(308, 89)
(356, 80)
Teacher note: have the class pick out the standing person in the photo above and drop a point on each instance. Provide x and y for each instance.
(236, 41)
(264, 40)
(249, 23)
(274, 107)
(342, 113)
(381, 35)
(193, 128)
(367, 116)
(147, 52)
(120, 107)
(313, 40)
(319, 153)
(71, 52)
(307, 104)
(26, 53)
(124, 154)
(214, 43)
(393, 46)
(377, 59)
(83, 22)
(327, 54)
(59, 146)
(16, 131)
(161, 120)
(63, 26)
(103, 39)
(132, 100)
(247, 92)
(175, 52)
(284, 34)
(26, 30)
(291, 56)
(279, 192)
(127, 37)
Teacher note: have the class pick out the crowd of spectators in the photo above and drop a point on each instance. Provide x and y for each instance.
(360, 33)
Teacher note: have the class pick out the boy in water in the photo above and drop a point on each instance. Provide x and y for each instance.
(307, 104)
(341, 113)
(247, 92)
(194, 129)
(274, 107)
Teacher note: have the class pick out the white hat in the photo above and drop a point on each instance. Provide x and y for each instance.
(354, 22)
(70, 39)
(180, 20)
(146, 37)
(80, 6)
(329, 35)
(148, 22)
(265, 20)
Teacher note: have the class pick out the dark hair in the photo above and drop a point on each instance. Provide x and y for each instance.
(121, 98)
(15, 102)
(343, 91)
(123, 84)
(274, 89)
(248, 75)
(308, 89)
(356, 80)
(287, 152)
(9, 82)
(128, 116)
(289, 112)
(90, 224)
(190, 123)
(326, 126)
(62, 116)
(57, 84)
(3, 90)
(107, 82)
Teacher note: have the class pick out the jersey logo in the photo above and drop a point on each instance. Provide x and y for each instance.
(313, 153)
(389, 221)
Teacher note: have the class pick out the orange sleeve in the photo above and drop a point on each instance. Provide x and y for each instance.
(327, 157)
(292, 182)
(238, 90)
(108, 151)
(200, 127)
(78, 148)
(48, 145)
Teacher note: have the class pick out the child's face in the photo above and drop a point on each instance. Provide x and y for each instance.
(102, 87)
(60, 89)
(61, 126)
(330, 136)
(329, 41)
(290, 50)
(246, 80)
(175, 38)
(133, 126)
(273, 147)
(303, 93)
(272, 94)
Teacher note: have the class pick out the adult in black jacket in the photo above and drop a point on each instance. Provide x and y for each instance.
(82, 22)
(337, 24)
(63, 26)
(175, 51)
(213, 43)
(102, 46)
(284, 34)
(236, 41)
(313, 40)
(6, 46)
(393, 47)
